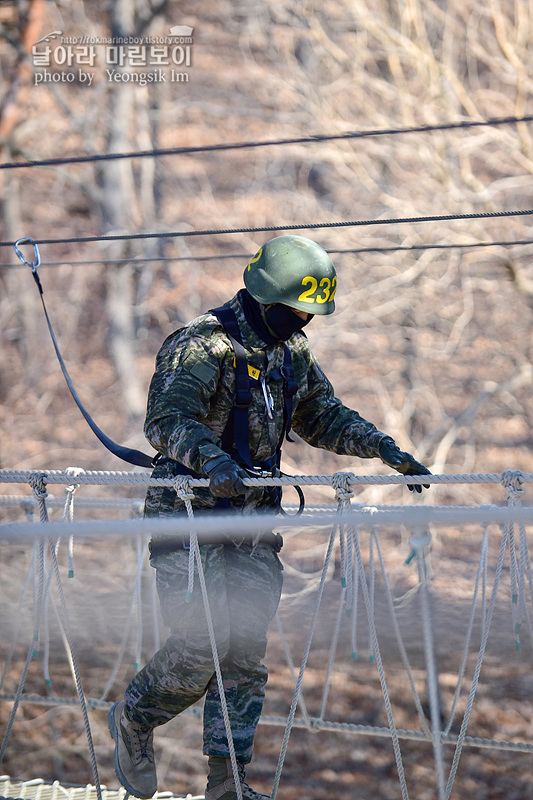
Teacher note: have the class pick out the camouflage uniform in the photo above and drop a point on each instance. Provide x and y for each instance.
(190, 399)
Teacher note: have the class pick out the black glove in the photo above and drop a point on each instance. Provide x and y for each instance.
(225, 477)
(403, 462)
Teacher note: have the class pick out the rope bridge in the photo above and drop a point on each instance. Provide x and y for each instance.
(356, 563)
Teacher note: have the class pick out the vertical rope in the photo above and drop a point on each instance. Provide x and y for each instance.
(344, 491)
(481, 576)
(400, 642)
(18, 618)
(292, 670)
(513, 568)
(349, 572)
(479, 663)
(353, 534)
(37, 482)
(381, 673)
(342, 544)
(420, 542)
(238, 788)
(524, 566)
(31, 653)
(39, 488)
(122, 651)
(183, 489)
(187, 495)
(46, 632)
(76, 672)
(332, 653)
(46, 615)
(68, 513)
(372, 590)
(16, 702)
(484, 578)
(512, 481)
(303, 665)
(529, 573)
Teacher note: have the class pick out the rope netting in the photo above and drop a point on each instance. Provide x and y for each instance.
(363, 550)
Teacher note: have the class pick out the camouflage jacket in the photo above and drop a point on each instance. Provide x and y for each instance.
(191, 396)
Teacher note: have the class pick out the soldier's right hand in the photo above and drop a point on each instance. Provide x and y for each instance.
(225, 477)
(404, 462)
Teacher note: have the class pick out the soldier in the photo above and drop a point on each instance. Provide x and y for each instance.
(226, 390)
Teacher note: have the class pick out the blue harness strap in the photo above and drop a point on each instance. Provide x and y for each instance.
(235, 437)
(236, 432)
(290, 387)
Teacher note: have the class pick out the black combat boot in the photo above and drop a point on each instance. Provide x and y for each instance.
(134, 753)
(221, 785)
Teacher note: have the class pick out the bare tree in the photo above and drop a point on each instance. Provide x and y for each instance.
(20, 27)
(120, 211)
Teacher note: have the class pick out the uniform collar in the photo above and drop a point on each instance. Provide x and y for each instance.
(251, 338)
(253, 312)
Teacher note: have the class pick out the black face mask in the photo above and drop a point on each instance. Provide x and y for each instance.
(253, 311)
(283, 321)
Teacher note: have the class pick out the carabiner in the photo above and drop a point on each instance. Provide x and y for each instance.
(37, 257)
(269, 400)
(257, 472)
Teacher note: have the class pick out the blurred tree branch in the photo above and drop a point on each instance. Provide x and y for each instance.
(28, 27)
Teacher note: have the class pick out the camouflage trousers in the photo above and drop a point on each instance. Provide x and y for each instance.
(243, 587)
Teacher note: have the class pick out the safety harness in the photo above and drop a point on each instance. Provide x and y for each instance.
(235, 438)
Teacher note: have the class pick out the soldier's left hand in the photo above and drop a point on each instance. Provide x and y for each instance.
(225, 477)
(403, 462)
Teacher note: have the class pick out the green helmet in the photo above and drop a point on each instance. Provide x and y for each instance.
(294, 271)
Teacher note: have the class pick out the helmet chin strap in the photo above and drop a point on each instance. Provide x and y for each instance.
(282, 322)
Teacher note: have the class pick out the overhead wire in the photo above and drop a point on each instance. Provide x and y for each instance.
(278, 228)
(220, 147)
(140, 259)
(292, 227)
(466, 124)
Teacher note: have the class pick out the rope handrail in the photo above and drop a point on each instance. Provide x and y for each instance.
(206, 525)
(144, 478)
